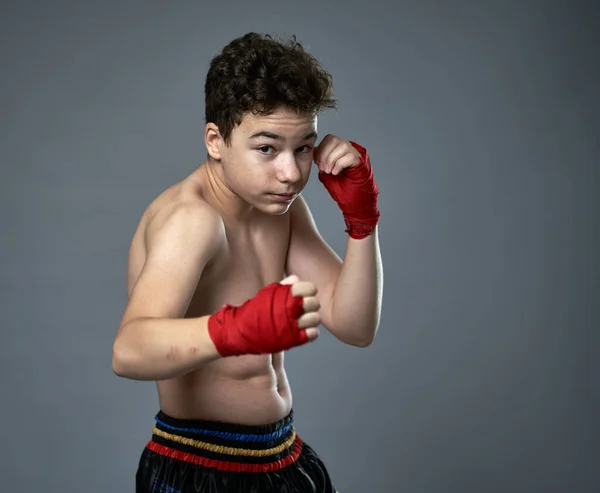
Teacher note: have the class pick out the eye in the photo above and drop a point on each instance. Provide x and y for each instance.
(265, 149)
(306, 148)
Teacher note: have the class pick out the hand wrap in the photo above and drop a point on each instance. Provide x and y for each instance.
(356, 194)
(264, 324)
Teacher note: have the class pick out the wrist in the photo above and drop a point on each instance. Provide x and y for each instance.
(217, 331)
(358, 230)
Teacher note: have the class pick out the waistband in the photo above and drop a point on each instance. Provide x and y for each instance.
(225, 446)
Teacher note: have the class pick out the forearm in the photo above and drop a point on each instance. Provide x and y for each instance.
(356, 299)
(161, 349)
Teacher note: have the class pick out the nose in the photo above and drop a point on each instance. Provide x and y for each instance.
(288, 170)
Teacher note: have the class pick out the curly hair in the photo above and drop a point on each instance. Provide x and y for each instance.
(258, 74)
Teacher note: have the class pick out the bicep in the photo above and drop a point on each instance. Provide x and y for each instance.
(177, 251)
(311, 258)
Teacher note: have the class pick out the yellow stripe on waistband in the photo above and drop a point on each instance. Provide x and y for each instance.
(221, 449)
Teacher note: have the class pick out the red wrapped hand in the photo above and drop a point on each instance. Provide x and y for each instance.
(356, 193)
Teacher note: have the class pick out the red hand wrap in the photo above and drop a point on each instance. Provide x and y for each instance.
(264, 324)
(356, 193)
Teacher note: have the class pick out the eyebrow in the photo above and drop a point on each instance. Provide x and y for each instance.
(271, 135)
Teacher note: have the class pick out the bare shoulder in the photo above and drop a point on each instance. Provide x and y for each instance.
(189, 218)
(180, 238)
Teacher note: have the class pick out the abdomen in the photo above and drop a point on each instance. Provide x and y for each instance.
(246, 390)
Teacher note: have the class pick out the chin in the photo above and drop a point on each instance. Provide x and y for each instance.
(275, 209)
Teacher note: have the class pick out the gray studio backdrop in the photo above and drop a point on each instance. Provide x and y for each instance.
(482, 122)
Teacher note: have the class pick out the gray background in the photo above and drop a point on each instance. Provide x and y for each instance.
(482, 123)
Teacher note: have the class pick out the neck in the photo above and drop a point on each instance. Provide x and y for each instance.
(221, 196)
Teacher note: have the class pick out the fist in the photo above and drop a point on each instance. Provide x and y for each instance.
(333, 155)
(311, 318)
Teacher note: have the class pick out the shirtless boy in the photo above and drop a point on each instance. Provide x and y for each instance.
(211, 310)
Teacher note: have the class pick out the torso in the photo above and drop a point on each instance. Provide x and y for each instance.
(244, 389)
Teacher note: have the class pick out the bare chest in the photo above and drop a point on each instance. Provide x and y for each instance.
(242, 268)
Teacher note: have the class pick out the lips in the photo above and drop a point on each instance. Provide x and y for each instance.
(284, 197)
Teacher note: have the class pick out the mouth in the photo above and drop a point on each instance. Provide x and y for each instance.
(284, 197)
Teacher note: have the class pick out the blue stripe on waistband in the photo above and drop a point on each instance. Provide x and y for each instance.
(242, 437)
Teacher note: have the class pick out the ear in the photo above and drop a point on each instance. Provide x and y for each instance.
(213, 141)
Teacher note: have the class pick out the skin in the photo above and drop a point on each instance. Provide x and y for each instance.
(217, 237)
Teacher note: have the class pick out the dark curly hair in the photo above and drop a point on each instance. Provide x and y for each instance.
(257, 73)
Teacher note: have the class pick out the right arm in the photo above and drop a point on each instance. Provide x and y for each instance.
(154, 340)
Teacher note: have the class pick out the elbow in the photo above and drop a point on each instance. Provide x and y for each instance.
(122, 361)
(361, 336)
(118, 365)
(362, 339)
(364, 335)
(118, 368)
(128, 362)
(362, 342)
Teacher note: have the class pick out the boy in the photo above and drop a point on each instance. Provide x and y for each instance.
(209, 315)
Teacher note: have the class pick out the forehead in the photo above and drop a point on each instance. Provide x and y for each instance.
(284, 122)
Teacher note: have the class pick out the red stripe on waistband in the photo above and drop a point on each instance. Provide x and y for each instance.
(224, 465)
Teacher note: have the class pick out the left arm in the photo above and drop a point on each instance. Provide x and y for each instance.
(350, 292)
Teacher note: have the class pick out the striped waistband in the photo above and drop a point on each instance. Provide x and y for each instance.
(225, 446)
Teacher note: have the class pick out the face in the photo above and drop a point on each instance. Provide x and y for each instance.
(269, 158)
